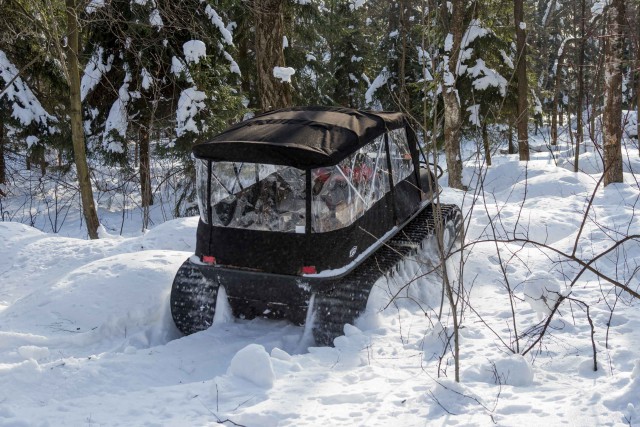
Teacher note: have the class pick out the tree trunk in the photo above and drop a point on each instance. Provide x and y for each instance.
(579, 125)
(612, 117)
(75, 114)
(638, 76)
(523, 90)
(452, 114)
(556, 99)
(597, 94)
(402, 60)
(145, 170)
(485, 143)
(512, 148)
(269, 32)
(3, 166)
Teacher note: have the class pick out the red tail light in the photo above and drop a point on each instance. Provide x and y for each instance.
(309, 269)
(209, 259)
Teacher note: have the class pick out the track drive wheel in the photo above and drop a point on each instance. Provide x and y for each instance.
(193, 299)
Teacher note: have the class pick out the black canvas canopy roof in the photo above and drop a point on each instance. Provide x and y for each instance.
(303, 137)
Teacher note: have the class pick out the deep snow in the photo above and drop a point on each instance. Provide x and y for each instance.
(86, 336)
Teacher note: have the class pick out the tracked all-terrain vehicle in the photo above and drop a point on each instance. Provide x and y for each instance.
(301, 211)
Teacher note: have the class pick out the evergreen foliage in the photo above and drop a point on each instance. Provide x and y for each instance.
(176, 72)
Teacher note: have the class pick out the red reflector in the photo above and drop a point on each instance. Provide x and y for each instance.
(309, 269)
(209, 259)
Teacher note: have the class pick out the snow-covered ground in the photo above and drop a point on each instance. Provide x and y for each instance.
(86, 336)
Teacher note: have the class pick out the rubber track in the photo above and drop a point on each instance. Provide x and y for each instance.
(347, 298)
(193, 299)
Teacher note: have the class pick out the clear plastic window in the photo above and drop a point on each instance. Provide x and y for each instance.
(253, 196)
(272, 198)
(342, 193)
(401, 162)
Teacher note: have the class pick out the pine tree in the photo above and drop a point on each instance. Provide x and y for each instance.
(158, 70)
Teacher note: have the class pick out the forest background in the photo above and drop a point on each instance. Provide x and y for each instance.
(139, 82)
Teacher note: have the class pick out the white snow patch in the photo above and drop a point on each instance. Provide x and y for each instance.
(94, 5)
(542, 291)
(512, 370)
(33, 352)
(194, 50)
(448, 42)
(283, 73)
(474, 115)
(177, 66)
(32, 140)
(253, 364)
(155, 19)
(599, 6)
(356, 4)
(147, 79)
(191, 102)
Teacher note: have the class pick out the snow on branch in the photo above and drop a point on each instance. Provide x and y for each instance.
(474, 30)
(474, 115)
(487, 77)
(25, 106)
(194, 50)
(378, 82)
(93, 71)
(561, 52)
(94, 5)
(217, 21)
(356, 4)
(191, 102)
(233, 65)
(118, 119)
